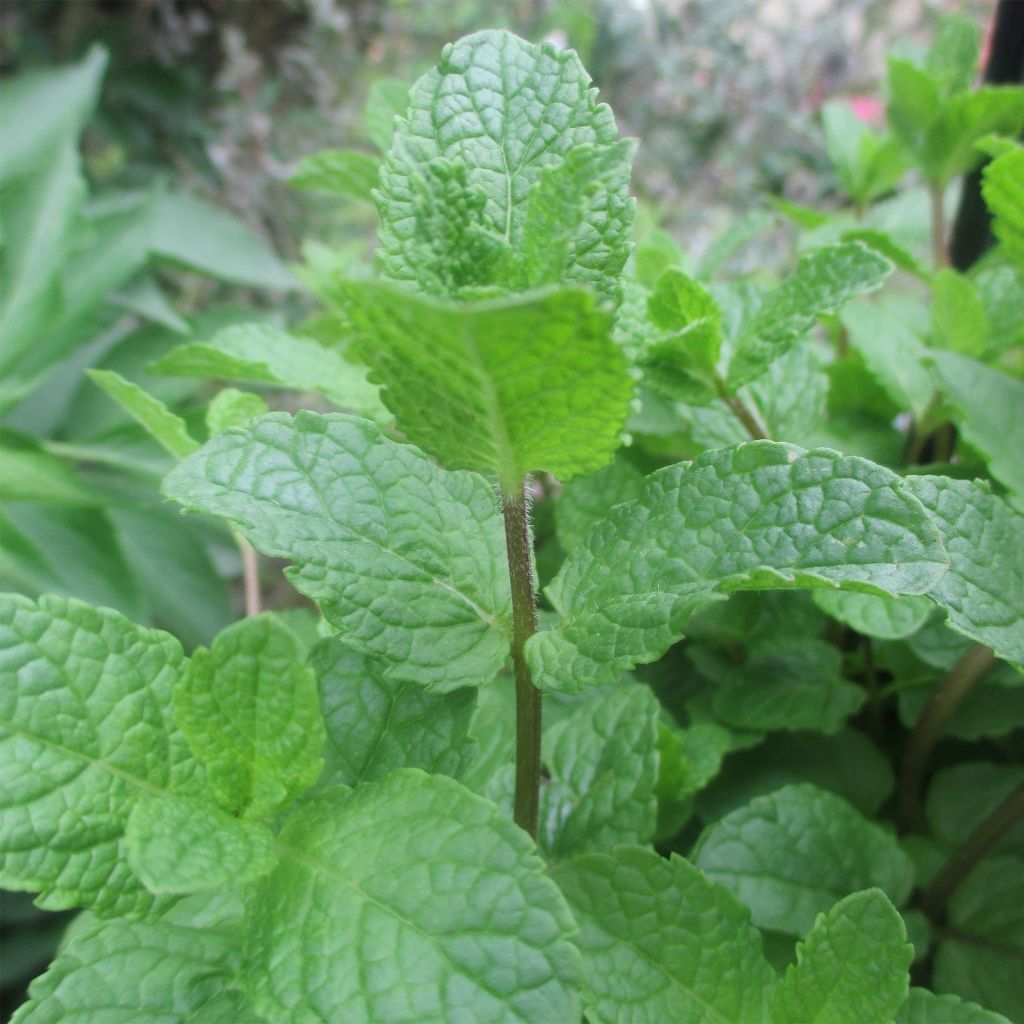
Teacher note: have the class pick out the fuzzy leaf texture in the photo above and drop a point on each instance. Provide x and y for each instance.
(250, 710)
(533, 382)
(85, 732)
(758, 516)
(409, 899)
(404, 558)
(480, 131)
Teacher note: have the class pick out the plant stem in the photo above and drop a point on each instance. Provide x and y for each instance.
(250, 576)
(743, 412)
(940, 253)
(966, 856)
(962, 678)
(524, 625)
(874, 708)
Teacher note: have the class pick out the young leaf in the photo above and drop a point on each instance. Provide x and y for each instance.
(407, 559)
(232, 408)
(250, 711)
(983, 593)
(376, 725)
(1002, 186)
(409, 898)
(662, 943)
(851, 967)
(866, 164)
(85, 731)
(264, 354)
(959, 321)
(338, 172)
(162, 424)
(884, 618)
(531, 382)
(822, 283)
(181, 845)
(952, 58)
(759, 516)
(791, 854)
(480, 129)
(924, 1007)
(386, 100)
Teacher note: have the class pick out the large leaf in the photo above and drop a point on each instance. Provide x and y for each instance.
(1002, 185)
(249, 709)
(409, 899)
(851, 968)
(791, 854)
(407, 559)
(478, 134)
(757, 516)
(924, 1007)
(983, 593)
(529, 383)
(662, 943)
(86, 731)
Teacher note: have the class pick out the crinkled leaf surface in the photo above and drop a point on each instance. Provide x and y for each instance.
(376, 725)
(662, 943)
(884, 618)
(791, 854)
(407, 559)
(85, 721)
(410, 899)
(585, 501)
(1002, 185)
(182, 845)
(479, 131)
(250, 710)
(924, 1007)
(530, 382)
(851, 968)
(983, 593)
(756, 516)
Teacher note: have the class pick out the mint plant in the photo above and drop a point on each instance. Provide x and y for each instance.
(678, 806)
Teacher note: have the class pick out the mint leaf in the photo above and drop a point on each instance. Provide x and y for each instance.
(822, 282)
(409, 898)
(479, 131)
(376, 725)
(182, 966)
(959, 322)
(181, 845)
(883, 618)
(662, 943)
(758, 516)
(407, 559)
(983, 593)
(1002, 186)
(263, 354)
(791, 854)
(961, 796)
(531, 382)
(249, 709)
(867, 165)
(851, 967)
(386, 100)
(157, 420)
(232, 408)
(586, 500)
(924, 1007)
(86, 731)
(604, 762)
(338, 172)
(952, 59)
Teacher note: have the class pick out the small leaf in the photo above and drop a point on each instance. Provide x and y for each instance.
(338, 172)
(662, 943)
(924, 1007)
(791, 854)
(409, 898)
(250, 711)
(851, 967)
(953, 56)
(159, 422)
(387, 99)
(883, 618)
(959, 321)
(232, 408)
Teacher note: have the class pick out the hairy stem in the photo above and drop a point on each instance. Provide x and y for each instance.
(524, 625)
(940, 253)
(743, 412)
(962, 678)
(250, 576)
(963, 859)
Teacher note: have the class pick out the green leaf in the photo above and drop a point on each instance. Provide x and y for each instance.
(250, 711)
(406, 559)
(959, 321)
(409, 898)
(604, 762)
(866, 164)
(980, 975)
(32, 474)
(86, 731)
(586, 500)
(178, 845)
(182, 967)
(822, 283)
(851, 968)
(662, 943)
(914, 102)
(983, 593)
(338, 172)
(264, 354)
(961, 796)
(232, 408)
(883, 618)
(1001, 289)
(387, 99)
(655, 252)
(480, 129)
(739, 233)
(924, 1007)
(1002, 186)
(791, 854)
(758, 516)
(157, 420)
(376, 725)
(532, 382)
